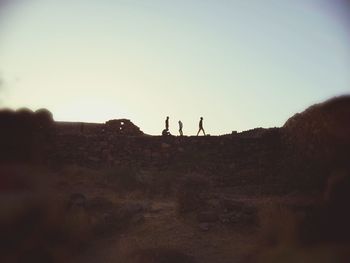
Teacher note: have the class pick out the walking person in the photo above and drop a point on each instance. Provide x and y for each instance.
(201, 126)
(180, 128)
(167, 123)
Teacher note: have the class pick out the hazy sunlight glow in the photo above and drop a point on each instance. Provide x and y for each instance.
(239, 64)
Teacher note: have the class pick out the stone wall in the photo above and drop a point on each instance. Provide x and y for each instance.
(231, 160)
(302, 153)
(112, 127)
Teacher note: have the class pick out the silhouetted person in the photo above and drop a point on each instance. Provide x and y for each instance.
(201, 126)
(180, 128)
(165, 132)
(167, 123)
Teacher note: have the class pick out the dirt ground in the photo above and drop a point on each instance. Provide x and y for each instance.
(79, 215)
(162, 230)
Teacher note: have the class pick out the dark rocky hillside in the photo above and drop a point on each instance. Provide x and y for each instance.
(301, 154)
(110, 191)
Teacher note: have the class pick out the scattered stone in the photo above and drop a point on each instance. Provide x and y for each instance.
(156, 210)
(180, 149)
(93, 159)
(204, 226)
(109, 218)
(165, 145)
(159, 255)
(77, 200)
(138, 218)
(99, 203)
(207, 217)
(131, 213)
(132, 208)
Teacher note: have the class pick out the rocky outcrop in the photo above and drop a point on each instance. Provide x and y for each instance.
(25, 121)
(122, 127)
(231, 160)
(24, 134)
(110, 128)
(322, 131)
(304, 152)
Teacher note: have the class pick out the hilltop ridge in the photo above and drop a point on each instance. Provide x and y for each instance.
(261, 155)
(114, 192)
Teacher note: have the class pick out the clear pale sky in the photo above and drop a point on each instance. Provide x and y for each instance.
(240, 64)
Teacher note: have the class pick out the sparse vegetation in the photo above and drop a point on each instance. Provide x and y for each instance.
(193, 193)
(247, 197)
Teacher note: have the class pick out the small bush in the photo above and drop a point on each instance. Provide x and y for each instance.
(159, 255)
(278, 224)
(192, 193)
(151, 183)
(161, 184)
(42, 230)
(124, 178)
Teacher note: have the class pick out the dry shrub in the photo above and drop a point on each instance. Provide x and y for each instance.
(159, 255)
(124, 178)
(329, 222)
(277, 224)
(42, 230)
(150, 183)
(281, 239)
(192, 193)
(36, 224)
(277, 235)
(160, 183)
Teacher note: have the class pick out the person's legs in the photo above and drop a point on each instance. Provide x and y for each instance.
(203, 131)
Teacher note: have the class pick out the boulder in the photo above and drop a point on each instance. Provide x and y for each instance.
(322, 131)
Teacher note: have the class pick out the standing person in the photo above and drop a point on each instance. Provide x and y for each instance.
(180, 128)
(201, 126)
(167, 123)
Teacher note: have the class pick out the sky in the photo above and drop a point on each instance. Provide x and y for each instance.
(238, 64)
